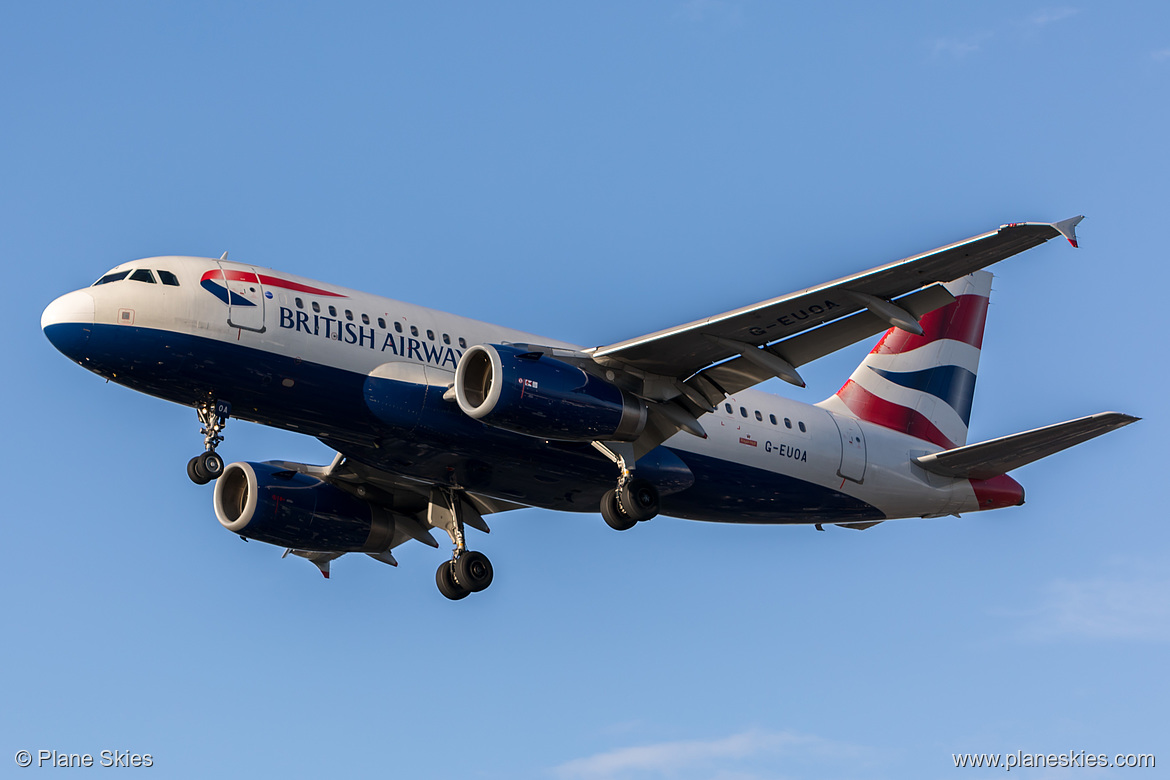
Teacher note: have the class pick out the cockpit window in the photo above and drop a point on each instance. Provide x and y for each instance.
(142, 275)
(116, 276)
(168, 278)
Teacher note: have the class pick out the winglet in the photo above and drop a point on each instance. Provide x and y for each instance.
(1068, 228)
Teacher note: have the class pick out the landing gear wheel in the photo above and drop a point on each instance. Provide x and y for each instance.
(195, 473)
(473, 571)
(638, 500)
(445, 579)
(210, 465)
(612, 513)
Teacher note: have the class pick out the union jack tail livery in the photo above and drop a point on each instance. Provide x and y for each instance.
(923, 385)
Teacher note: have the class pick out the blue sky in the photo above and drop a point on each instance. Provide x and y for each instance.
(590, 172)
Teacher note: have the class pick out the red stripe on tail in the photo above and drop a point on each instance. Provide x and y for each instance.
(887, 414)
(962, 320)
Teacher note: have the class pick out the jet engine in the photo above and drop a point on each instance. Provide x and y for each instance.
(270, 503)
(536, 395)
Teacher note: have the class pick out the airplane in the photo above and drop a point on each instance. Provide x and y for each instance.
(438, 420)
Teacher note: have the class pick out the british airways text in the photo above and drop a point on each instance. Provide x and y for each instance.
(362, 336)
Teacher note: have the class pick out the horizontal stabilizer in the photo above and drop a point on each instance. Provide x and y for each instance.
(998, 456)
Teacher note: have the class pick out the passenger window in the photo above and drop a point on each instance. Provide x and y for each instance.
(382, 323)
(759, 416)
(431, 335)
(349, 315)
(300, 303)
(462, 343)
(772, 418)
(398, 326)
(802, 428)
(316, 307)
(728, 408)
(168, 278)
(142, 275)
(365, 319)
(787, 423)
(413, 331)
(742, 412)
(446, 339)
(117, 276)
(332, 310)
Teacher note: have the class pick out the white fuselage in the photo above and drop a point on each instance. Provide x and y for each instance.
(305, 323)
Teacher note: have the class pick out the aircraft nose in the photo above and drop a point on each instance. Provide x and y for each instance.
(68, 321)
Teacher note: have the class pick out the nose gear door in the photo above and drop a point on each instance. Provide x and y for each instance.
(246, 297)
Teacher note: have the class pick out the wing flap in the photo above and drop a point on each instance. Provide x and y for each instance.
(739, 373)
(998, 456)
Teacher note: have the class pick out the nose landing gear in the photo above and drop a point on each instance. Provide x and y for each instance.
(213, 415)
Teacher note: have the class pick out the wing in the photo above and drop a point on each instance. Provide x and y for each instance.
(411, 503)
(773, 337)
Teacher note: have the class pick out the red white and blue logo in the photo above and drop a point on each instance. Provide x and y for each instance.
(924, 385)
(247, 286)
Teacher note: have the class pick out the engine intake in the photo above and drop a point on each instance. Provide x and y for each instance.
(530, 393)
(269, 503)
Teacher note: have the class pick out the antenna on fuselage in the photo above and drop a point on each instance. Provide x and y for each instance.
(223, 257)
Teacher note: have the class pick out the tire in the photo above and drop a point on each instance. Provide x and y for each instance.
(613, 514)
(211, 465)
(445, 579)
(473, 571)
(639, 500)
(196, 473)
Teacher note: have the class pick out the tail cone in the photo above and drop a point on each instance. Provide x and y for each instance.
(998, 492)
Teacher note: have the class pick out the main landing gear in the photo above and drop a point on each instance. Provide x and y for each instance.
(468, 571)
(633, 500)
(629, 504)
(213, 416)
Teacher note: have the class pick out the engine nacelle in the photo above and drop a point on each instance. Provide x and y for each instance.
(269, 503)
(526, 392)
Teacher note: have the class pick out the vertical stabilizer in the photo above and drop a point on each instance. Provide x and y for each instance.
(924, 385)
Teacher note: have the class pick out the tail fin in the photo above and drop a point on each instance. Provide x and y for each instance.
(924, 385)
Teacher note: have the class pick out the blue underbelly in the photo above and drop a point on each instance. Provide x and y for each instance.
(410, 430)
